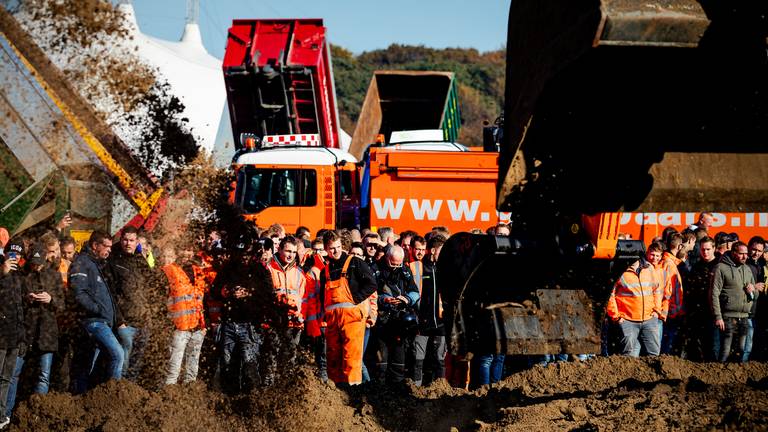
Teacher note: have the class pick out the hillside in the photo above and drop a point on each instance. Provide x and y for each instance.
(480, 79)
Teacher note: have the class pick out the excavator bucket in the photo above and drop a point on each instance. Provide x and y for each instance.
(621, 105)
(501, 298)
(559, 321)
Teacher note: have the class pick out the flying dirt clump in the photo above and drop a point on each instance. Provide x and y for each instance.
(90, 42)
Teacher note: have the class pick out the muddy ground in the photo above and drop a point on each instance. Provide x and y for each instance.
(614, 393)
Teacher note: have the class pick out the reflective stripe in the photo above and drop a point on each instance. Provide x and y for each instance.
(179, 299)
(627, 293)
(214, 309)
(78, 274)
(182, 313)
(313, 317)
(339, 305)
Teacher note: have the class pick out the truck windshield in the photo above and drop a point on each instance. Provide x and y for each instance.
(258, 189)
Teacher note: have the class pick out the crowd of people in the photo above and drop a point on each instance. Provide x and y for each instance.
(366, 305)
(694, 295)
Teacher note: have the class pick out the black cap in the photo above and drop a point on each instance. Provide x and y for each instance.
(267, 243)
(722, 238)
(18, 248)
(37, 256)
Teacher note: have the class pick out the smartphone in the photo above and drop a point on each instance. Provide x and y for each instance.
(13, 255)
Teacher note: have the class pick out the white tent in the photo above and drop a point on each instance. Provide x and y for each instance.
(194, 75)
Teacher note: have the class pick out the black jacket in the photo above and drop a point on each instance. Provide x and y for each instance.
(11, 311)
(758, 269)
(394, 282)
(255, 278)
(93, 297)
(130, 277)
(362, 283)
(40, 318)
(697, 284)
(430, 322)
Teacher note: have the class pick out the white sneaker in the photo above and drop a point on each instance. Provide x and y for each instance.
(5, 421)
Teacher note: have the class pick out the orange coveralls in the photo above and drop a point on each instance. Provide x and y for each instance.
(345, 330)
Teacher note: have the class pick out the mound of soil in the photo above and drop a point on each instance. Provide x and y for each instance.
(615, 393)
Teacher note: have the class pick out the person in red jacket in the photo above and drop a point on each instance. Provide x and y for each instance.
(635, 305)
(185, 308)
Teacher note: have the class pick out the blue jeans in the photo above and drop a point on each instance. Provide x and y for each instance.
(546, 359)
(7, 364)
(45, 360)
(366, 375)
(733, 338)
(489, 368)
(669, 332)
(748, 341)
(637, 335)
(715, 344)
(100, 338)
(133, 340)
(240, 349)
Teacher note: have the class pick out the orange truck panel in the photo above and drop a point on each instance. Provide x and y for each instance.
(419, 190)
(646, 226)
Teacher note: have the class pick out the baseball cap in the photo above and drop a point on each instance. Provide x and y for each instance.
(37, 256)
(18, 248)
(267, 243)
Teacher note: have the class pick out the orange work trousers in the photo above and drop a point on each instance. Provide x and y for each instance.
(344, 336)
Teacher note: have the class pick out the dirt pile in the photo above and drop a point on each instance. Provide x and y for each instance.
(603, 394)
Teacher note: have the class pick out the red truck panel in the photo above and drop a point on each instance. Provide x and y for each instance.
(287, 45)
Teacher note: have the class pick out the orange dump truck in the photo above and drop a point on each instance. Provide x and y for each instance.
(292, 169)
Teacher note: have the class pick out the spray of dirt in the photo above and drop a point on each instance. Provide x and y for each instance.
(89, 41)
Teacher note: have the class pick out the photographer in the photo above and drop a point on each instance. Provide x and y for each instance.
(244, 287)
(398, 296)
(43, 301)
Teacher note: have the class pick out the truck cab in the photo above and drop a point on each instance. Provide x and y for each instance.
(295, 183)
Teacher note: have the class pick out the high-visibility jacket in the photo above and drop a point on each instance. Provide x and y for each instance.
(206, 275)
(345, 331)
(185, 300)
(313, 313)
(672, 303)
(417, 270)
(64, 272)
(636, 295)
(290, 285)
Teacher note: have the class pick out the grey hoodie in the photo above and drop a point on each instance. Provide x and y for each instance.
(728, 297)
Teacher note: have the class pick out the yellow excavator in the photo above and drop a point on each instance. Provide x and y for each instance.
(611, 106)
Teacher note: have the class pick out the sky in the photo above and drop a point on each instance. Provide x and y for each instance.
(357, 25)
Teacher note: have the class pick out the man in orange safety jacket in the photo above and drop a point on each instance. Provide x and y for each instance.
(185, 308)
(635, 305)
(290, 284)
(347, 284)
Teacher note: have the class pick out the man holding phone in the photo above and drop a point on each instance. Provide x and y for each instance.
(12, 335)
